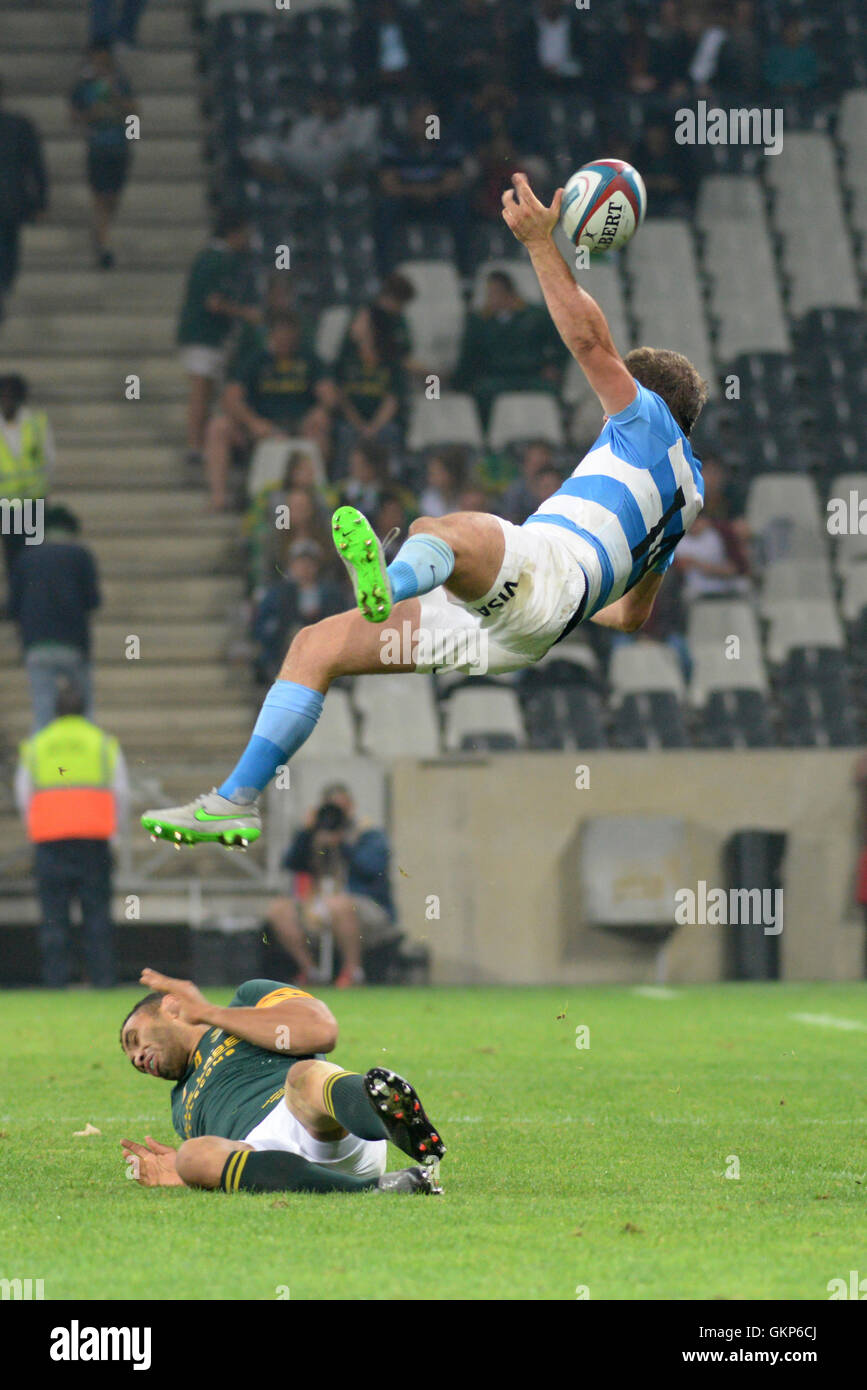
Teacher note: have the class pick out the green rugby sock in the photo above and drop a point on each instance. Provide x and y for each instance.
(346, 1101)
(272, 1170)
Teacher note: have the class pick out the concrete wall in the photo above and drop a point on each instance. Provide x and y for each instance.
(494, 839)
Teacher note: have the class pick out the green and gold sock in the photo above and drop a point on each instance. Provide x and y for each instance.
(273, 1170)
(346, 1102)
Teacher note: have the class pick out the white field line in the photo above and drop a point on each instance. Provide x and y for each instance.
(847, 1025)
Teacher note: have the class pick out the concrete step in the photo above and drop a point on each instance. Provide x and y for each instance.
(134, 467)
(156, 158)
(98, 292)
(142, 683)
(127, 422)
(161, 114)
(55, 245)
(162, 730)
(170, 556)
(162, 511)
(56, 335)
(65, 27)
(185, 642)
(183, 598)
(105, 378)
(152, 71)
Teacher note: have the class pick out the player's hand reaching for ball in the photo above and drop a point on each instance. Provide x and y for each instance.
(527, 218)
(151, 1164)
(192, 1004)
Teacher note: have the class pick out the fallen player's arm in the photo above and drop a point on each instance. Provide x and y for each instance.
(632, 610)
(296, 1026)
(577, 317)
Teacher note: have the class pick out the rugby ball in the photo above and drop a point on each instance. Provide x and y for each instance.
(603, 205)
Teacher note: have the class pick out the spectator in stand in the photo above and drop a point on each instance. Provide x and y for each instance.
(670, 51)
(396, 512)
(470, 44)
(23, 189)
(549, 49)
(341, 885)
(519, 500)
(739, 71)
(792, 64)
(712, 561)
(668, 169)
(709, 35)
(27, 457)
(447, 472)
(422, 178)
(367, 478)
(508, 346)
(504, 135)
(305, 595)
(336, 141)
(367, 389)
(278, 519)
(53, 591)
(387, 48)
(272, 393)
(217, 297)
(475, 498)
(115, 21)
(101, 101)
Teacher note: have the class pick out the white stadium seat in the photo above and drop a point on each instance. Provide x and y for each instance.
(810, 623)
(484, 711)
(522, 415)
(793, 581)
(398, 716)
(452, 419)
(644, 666)
(713, 670)
(782, 497)
(335, 732)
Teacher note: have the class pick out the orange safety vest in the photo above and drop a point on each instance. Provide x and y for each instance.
(71, 764)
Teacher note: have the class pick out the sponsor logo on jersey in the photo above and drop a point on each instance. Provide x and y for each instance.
(500, 600)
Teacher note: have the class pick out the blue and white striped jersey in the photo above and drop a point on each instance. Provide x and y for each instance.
(630, 500)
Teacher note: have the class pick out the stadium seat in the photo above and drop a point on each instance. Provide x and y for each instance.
(714, 622)
(334, 735)
(785, 496)
(330, 332)
(647, 696)
(731, 198)
(809, 623)
(562, 699)
(398, 716)
(793, 581)
(714, 670)
(854, 597)
(453, 419)
(271, 458)
(520, 415)
(667, 302)
(483, 717)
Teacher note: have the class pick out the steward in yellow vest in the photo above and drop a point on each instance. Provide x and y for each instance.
(71, 768)
(26, 448)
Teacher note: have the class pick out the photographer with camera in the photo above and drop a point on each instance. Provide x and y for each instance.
(341, 885)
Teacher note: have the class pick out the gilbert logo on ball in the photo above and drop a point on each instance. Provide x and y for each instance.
(603, 205)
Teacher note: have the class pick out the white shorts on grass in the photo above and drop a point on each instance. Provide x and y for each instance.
(539, 588)
(363, 1158)
(200, 360)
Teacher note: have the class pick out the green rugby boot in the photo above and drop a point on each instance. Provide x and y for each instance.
(361, 552)
(210, 819)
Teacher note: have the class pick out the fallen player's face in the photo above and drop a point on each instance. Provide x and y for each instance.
(152, 1044)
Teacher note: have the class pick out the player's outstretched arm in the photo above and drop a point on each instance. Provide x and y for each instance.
(630, 612)
(296, 1026)
(577, 317)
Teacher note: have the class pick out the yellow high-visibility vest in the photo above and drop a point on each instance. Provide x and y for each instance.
(25, 474)
(71, 764)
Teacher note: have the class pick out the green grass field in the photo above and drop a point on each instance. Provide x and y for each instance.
(602, 1167)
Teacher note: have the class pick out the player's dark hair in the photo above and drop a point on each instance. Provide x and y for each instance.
(150, 1003)
(673, 377)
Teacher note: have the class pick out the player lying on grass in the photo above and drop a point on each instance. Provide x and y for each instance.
(258, 1108)
(597, 549)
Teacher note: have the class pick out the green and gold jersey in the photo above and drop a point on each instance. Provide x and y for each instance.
(231, 1085)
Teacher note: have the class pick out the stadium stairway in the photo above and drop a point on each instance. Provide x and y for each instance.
(171, 573)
